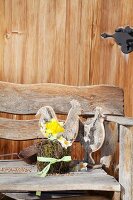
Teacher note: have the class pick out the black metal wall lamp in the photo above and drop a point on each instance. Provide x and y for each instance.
(123, 37)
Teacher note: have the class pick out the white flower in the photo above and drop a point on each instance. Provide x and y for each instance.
(65, 143)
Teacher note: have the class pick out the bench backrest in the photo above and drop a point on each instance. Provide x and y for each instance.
(28, 98)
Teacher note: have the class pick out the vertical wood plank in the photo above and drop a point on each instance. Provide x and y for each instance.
(58, 65)
(100, 65)
(4, 24)
(126, 162)
(108, 64)
(85, 41)
(73, 27)
(2, 37)
(46, 25)
(8, 44)
(30, 53)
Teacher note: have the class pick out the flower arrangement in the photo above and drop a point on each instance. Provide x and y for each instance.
(54, 153)
(53, 130)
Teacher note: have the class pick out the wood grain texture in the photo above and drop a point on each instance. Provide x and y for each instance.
(12, 129)
(59, 41)
(126, 162)
(29, 129)
(116, 196)
(29, 98)
(19, 129)
(75, 181)
(108, 64)
(126, 121)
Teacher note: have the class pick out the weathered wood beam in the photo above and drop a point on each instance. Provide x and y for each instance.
(19, 129)
(77, 181)
(126, 162)
(127, 121)
(28, 98)
(29, 129)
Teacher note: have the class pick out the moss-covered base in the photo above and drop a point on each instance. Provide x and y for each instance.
(53, 149)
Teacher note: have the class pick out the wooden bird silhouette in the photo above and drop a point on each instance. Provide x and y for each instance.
(94, 135)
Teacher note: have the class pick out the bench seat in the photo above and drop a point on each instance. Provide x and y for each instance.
(19, 176)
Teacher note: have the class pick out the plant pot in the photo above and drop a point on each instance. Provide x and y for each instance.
(53, 149)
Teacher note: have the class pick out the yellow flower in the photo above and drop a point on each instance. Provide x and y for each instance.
(53, 127)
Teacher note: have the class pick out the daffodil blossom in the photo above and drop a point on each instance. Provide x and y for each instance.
(51, 129)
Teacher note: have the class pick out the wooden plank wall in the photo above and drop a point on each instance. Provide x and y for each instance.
(59, 41)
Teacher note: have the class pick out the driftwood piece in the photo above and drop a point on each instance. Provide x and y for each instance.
(28, 98)
(29, 154)
(109, 149)
(126, 162)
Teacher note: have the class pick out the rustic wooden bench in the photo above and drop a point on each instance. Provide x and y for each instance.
(18, 177)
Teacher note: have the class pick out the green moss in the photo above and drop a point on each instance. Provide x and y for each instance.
(53, 149)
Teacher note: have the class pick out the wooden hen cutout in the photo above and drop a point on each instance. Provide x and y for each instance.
(94, 135)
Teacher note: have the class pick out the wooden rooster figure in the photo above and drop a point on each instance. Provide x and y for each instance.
(52, 129)
(65, 132)
(46, 114)
(71, 124)
(94, 135)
